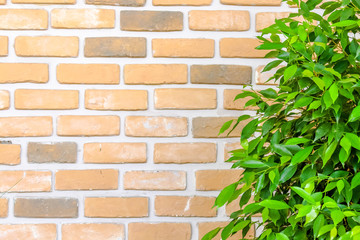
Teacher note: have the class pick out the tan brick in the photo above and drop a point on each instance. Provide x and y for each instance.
(46, 99)
(205, 227)
(117, 207)
(82, 18)
(4, 42)
(185, 98)
(44, 1)
(10, 154)
(25, 126)
(4, 99)
(241, 48)
(230, 146)
(141, 126)
(129, 3)
(239, 104)
(182, 2)
(28, 231)
(183, 48)
(25, 181)
(88, 73)
(159, 231)
(4, 208)
(2, 2)
(88, 125)
(23, 19)
(121, 100)
(102, 179)
(115, 47)
(263, 77)
(209, 127)
(155, 74)
(155, 180)
(55, 152)
(184, 153)
(92, 231)
(46, 46)
(265, 19)
(184, 206)
(115, 152)
(252, 2)
(24, 72)
(225, 20)
(214, 180)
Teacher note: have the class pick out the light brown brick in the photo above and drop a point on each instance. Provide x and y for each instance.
(28, 231)
(117, 207)
(159, 231)
(10, 154)
(205, 227)
(88, 73)
(102, 179)
(23, 19)
(155, 180)
(4, 42)
(88, 125)
(265, 19)
(184, 153)
(82, 18)
(4, 208)
(185, 98)
(184, 206)
(2, 2)
(155, 74)
(25, 126)
(44, 1)
(141, 126)
(183, 48)
(214, 180)
(24, 72)
(55, 152)
(252, 2)
(222, 20)
(25, 181)
(209, 127)
(241, 48)
(46, 99)
(129, 3)
(46, 46)
(239, 104)
(115, 152)
(228, 147)
(182, 2)
(4, 99)
(263, 77)
(92, 231)
(121, 100)
(115, 47)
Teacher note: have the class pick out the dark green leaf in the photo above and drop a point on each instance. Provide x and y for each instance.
(272, 65)
(301, 155)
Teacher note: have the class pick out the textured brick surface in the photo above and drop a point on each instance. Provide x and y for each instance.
(130, 3)
(4, 42)
(23, 72)
(28, 231)
(4, 99)
(212, 180)
(239, 104)
(265, 19)
(25, 126)
(252, 2)
(241, 48)
(4, 208)
(92, 231)
(159, 180)
(10, 154)
(44, 1)
(23, 19)
(181, 2)
(25, 181)
(209, 127)
(159, 231)
(56, 152)
(183, 48)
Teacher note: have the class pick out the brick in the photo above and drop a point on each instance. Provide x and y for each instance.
(221, 74)
(141, 126)
(230, 146)
(102, 179)
(44, 1)
(25, 181)
(266, 19)
(46, 46)
(23, 19)
(252, 2)
(155, 180)
(88, 125)
(56, 152)
(46, 99)
(181, 153)
(181, 2)
(24, 72)
(121, 100)
(25, 126)
(4, 42)
(235, 206)
(129, 3)
(4, 208)
(82, 18)
(4, 99)
(185, 98)
(183, 48)
(116, 207)
(88, 73)
(155, 74)
(115, 47)
(184, 206)
(241, 48)
(46, 207)
(92, 231)
(115, 153)
(214, 180)
(159, 231)
(10, 154)
(239, 104)
(2, 2)
(205, 227)
(28, 231)
(209, 127)
(263, 77)
(225, 20)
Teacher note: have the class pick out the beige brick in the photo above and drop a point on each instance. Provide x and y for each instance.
(183, 48)
(4, 208)
(25, 181)
(2, 2)
(159, 231)
(141, 126)
(230, 146)
(205, 227)
(117, 207)
(263, 77)
(266, 19)
(239, 104)
(88, 125)
(209, 127)
(82, 18)
(24, 72)
(115, 152)
(185, 98)
(214, 180)
(54, 152)
(155, 180)
(4, 42)
(25, 126)
(121, 100)
(252, 2)
(92, 231)
(4, 99)
(129, 3)
(28, 231)
(181, 2)
(10, 154)
(23, 19)
(241, 48)
(44, 1)
(225, 20)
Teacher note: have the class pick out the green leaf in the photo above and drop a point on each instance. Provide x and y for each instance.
(337, 216)
(345, 23)
(334, 92)
(225, 127)
(355, 114)
(287, 173)
(305, 195)
(269, 93)
(319, 82)
(318, 223)
(281, 236)
(281, 150)
(272, 65)
(301, 155)
(225, 194)
(210, 235)
(245, 197)
(252, 164)
(249, 129)
(322, 130)
(273, 109)
(303, 102)
(325, 229)
(270, 46)
(354, 139)
(355, 181)
(329, 152)
(346, 144)
(295, 141)
(274, 204)
(290, 72)
(240, 226)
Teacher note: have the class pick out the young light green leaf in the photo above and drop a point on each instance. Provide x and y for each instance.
(354, 139)
(290, 72)
(210, 235)
(225, 127)
(337, 216)
(345, 23)
(274, 204)
(281, 236)
(225, 195)
(355, 181)
(305, 195)
(355, 114)
(272, 65)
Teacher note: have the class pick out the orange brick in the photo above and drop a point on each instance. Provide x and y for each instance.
(10, 154)
(25, 126)
(92, 231)
(159, 231)
(183, 48)
(265, 19)
(23, 19)
(226, 20)
(2, 2)
(182, 2)
(116, 207)
(129, 3)
(103, 179)
(239, 104)
(155, 180)
(115, 152)
(209, 127)
(47, 46)
(82, 18)
(28, 231)
(205, 227)
(230, 146)
(116, 100)
(263, 77)
(183, 206)
(241, 48)
(141, 126)
(44, 1)
(185, 98)
(4, 206)
(4, 99)
(46, 99)
(25, 181)
(24, 72)
(213, 180)
(155, 74)
(4, 42)
(252, 2)
(88, 125)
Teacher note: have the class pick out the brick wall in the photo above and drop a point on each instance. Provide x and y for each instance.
(110, 112)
